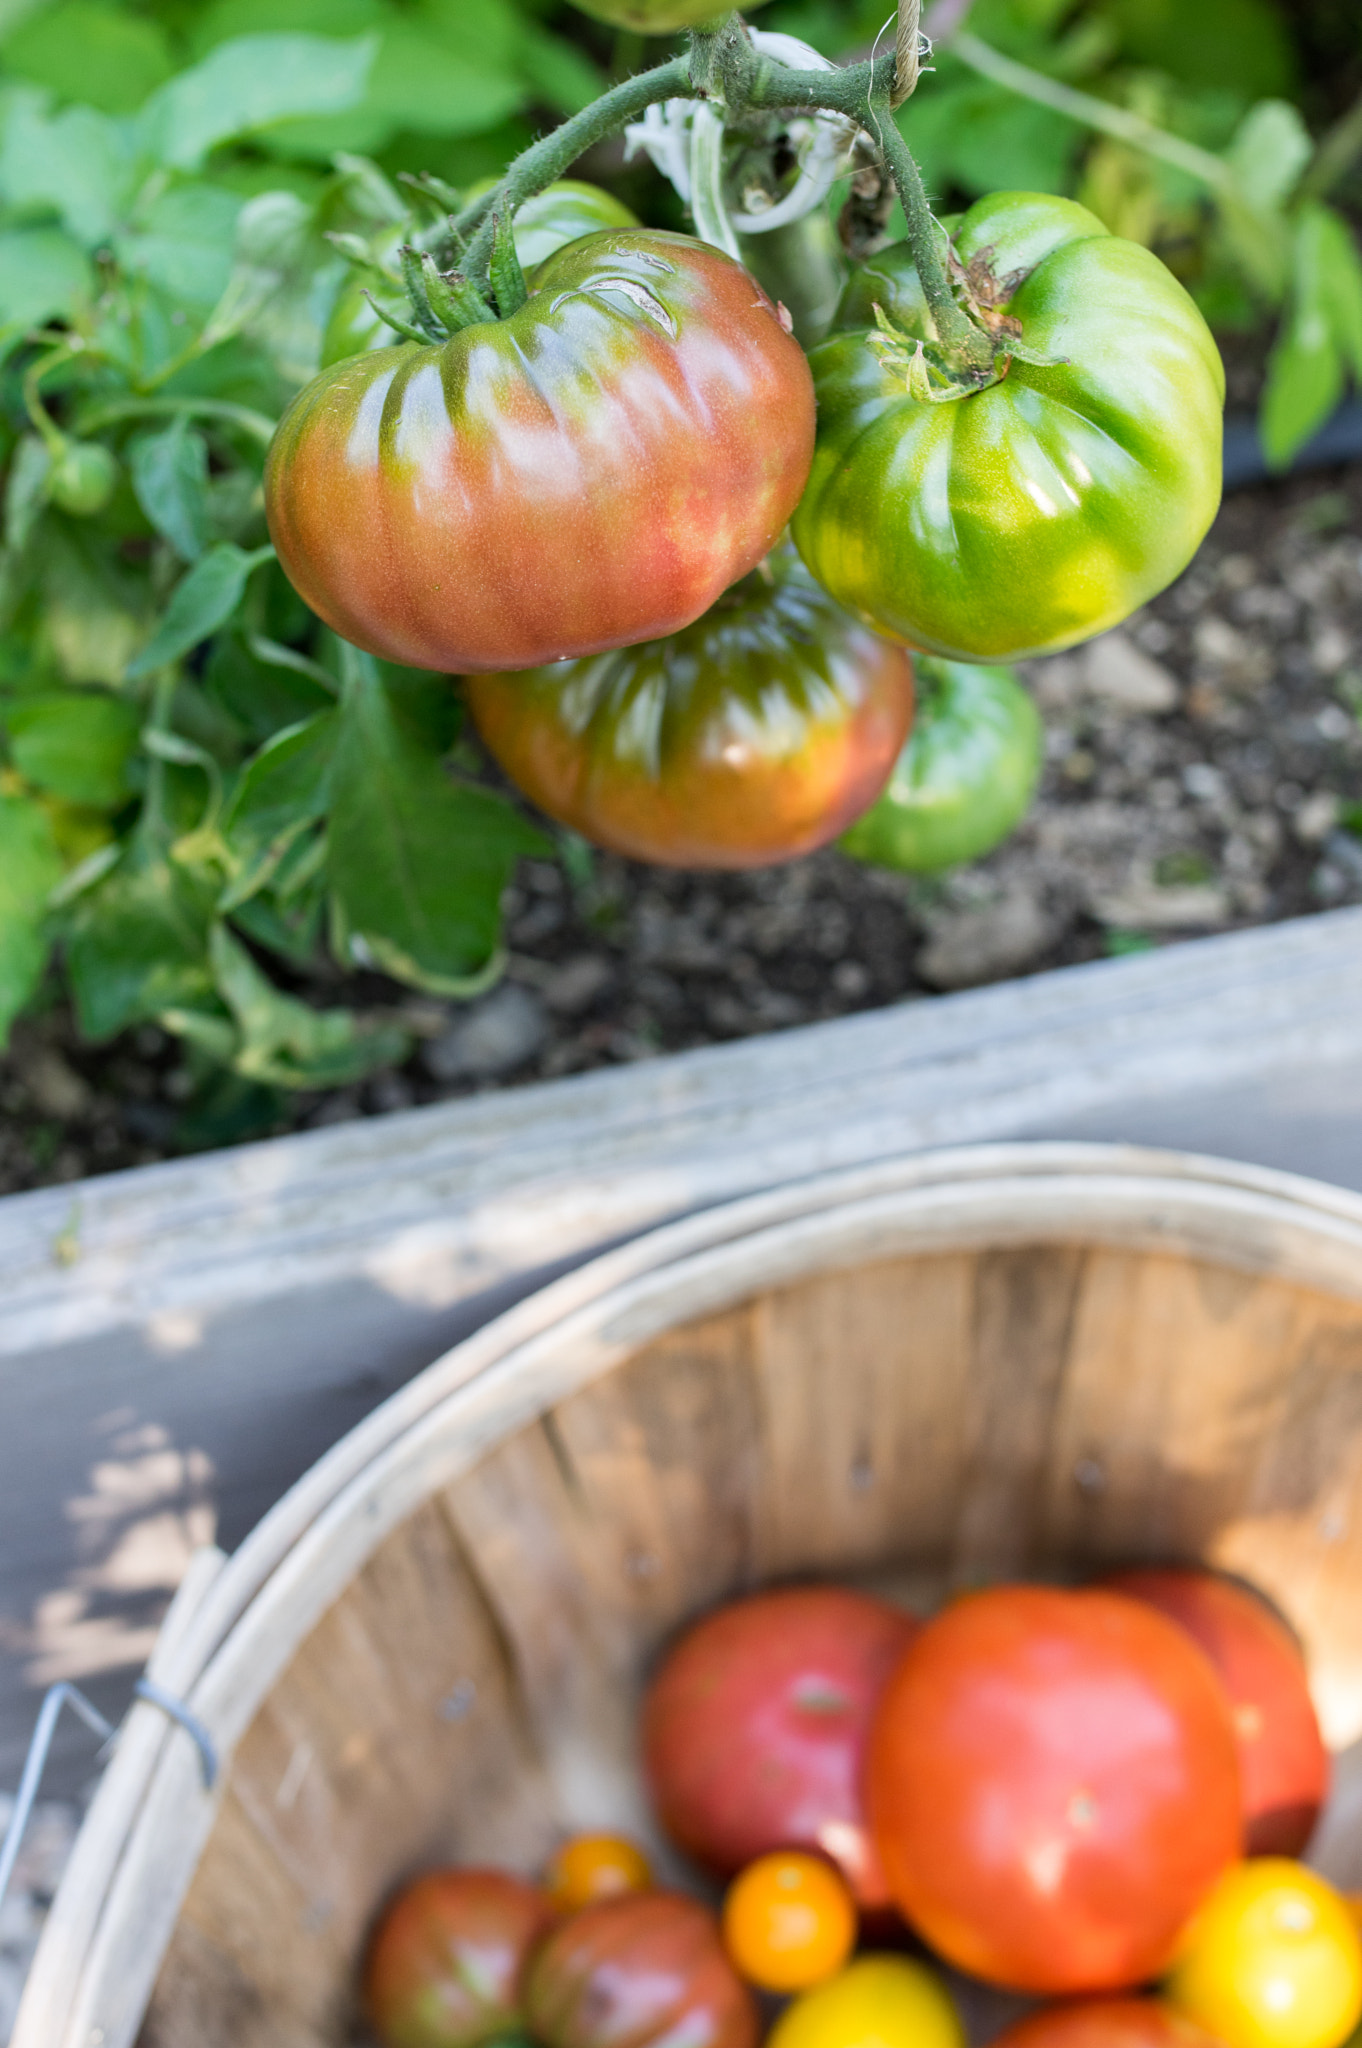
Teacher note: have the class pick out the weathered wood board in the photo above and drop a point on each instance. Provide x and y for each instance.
(226, 1318)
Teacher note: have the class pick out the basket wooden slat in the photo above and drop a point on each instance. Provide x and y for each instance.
(1026, 1360)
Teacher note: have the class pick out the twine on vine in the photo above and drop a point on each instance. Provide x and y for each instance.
(907, 52)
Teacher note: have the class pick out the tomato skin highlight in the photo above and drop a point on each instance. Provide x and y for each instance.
(594, 471)
(1283, 1764)
(1028, 516)
(444, 1963)
(752, 736)
(754, 1728)
(643, 1971)
(1106, 2023)
(1271, 1960)
(965, 777)
(1053, 1787)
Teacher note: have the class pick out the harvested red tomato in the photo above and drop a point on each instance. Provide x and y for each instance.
(590, 1867)
(1105, 2023)
(754, 1728)
(753, 735)
(1053, 1786)
(592, 471)
(1283, 1764)
(644, 1971)
(445, 1961)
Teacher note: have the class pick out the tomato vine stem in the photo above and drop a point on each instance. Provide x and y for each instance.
(723, 66)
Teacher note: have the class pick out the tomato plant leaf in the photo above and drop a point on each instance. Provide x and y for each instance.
(417, 861)
(170, 478)
(1305, 368)
(30, 868)
(182, 242)
(26, 489)
(201, 602)
(44, 275)
(281, 792)
(138, 943)
(248, 85)
(1270, 149)
(1341, 274)
(75, 743)
(82, 50)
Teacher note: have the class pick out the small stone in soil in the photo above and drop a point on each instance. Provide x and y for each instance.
(493, 1036)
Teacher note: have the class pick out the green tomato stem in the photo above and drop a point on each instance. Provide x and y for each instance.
(555, 153)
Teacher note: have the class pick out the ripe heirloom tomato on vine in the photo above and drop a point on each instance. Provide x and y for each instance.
(755, 1725)
(964, 780)
(1053, 1786)
(647, 1970)
(445, 1961)
(1044, 507)
(592, 471)
(751, 736)
(1283, 1764)
(545, 223)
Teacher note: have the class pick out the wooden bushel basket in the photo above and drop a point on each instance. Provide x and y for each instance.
(1008, 1361)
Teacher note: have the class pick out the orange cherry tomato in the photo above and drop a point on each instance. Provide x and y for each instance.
(789, 1921)
(592, 1867)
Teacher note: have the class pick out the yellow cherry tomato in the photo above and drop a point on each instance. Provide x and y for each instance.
(1273, 1959)
(876, 2002)
(592, 1867)
(789, 1921)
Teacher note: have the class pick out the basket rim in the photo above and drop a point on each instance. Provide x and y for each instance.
(319, 1534)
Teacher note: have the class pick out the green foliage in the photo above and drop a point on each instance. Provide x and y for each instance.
(192, 807)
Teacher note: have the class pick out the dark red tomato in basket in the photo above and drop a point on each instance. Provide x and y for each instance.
(1053, 1786)
(1105, 2023)
(647, 1970)
(445, 1962)
(1283, 1764)
(592, 471)
(754, 1728)
(754, 735)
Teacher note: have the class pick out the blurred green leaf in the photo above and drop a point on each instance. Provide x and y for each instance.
(250, 84)
(91, 618)
(417, 861)
(976, 135)
(170, 478)
(1341, 269)
(30, 868)
(201, 602)
(281, 1040)
(43, 276)
(282, 282)
(138, 943)
(103, 55)
(182, 242)
(26, 488)
(282, 792)
(1306, 367)
(1243, 46)
(220, 20)
(75, 744)
(1271, 148)
(561, 75)
(75, 164)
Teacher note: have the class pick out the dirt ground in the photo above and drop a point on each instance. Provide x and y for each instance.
(1204, 772)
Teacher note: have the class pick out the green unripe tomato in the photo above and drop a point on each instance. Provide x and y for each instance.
(965, 778)
(658, 17)
(82, 478)
(560, 214)
(1044, 508)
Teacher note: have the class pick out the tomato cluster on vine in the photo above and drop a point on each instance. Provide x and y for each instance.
(1052, 1790)
(571, 487)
